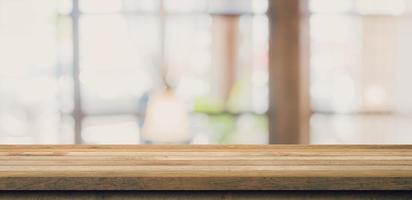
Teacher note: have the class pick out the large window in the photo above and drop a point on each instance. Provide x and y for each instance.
(85, 68)
(360, 71)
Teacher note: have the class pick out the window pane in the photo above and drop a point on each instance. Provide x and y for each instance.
(118, 42)
(29, 72)
(111, 130)
(185, 5)
(121, 58)
(360, 65)
(250, 92)
(197, 50)
(114, 91)
(382, 7)
(228, 129)
(355, 129)
(188, 55)
(331, 6)
(119, 61)
(112, 6)
(335, 62)
(359, 62)
(64, 6)
(27, 31)
(238, 6)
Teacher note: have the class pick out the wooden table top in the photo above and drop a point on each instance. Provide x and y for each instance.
(209, 167)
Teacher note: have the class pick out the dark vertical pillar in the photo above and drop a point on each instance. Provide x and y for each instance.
(289, 107)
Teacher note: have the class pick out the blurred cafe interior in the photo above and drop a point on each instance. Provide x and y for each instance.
(205, 72)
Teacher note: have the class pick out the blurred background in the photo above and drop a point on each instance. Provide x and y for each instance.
(205, 71)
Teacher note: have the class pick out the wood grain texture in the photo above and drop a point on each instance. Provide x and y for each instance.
(204, 195)
(209, 167)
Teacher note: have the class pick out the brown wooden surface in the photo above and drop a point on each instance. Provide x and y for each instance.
(269, 167)
(289, 107)
(204, 195)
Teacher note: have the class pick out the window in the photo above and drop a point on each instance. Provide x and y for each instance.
(86, 68)
(360, 71)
